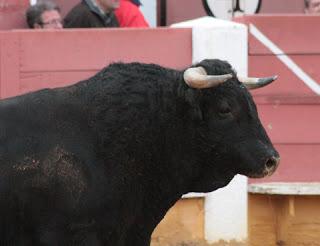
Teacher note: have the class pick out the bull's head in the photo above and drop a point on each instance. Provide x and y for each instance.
(231, 133)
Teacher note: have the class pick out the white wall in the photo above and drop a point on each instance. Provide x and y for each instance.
(149, 10)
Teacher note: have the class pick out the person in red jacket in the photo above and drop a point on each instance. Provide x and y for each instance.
(129, 14)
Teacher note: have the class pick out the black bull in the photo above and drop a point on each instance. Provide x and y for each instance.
(101, 162)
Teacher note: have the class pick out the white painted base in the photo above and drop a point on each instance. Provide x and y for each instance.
(277, 188)
(226, 212)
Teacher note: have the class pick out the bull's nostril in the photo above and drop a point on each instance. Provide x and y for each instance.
(272, 162)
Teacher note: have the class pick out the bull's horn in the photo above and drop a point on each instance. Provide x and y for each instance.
(254, 83)
(196, 77)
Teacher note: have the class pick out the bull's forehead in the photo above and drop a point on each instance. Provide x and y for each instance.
(230, 89)
(216, 66)
(234, 92)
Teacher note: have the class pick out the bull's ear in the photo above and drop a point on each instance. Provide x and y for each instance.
(192, 99)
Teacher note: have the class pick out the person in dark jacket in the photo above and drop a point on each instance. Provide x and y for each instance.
(93, 13)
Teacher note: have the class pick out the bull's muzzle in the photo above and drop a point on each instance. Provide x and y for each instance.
(271, 165)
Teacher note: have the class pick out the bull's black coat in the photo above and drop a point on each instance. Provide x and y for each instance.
(100, 162)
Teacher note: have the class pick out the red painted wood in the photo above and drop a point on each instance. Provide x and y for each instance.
(12, 14)
(282, 6)
(37, 59)
(182, 10)
(9, 65)
(34, 80)
(92, 49)
(294, 130)
(289, 109)
(288, 87)
(294, 34)
(291, 124)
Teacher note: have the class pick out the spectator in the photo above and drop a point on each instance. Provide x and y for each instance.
(312, 6)
(129, 14)
(45, 14)
(93, 13)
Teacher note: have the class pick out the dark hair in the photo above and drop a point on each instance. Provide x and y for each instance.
(34, 12)
(136, 2)
(306, 3)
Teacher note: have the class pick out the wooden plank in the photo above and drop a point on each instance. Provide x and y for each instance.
(10, 66)
(291, 124)
(292, 188)
(12, 14)
(288, 86)
(183, 223)
(178, 11)
(262, 219)
(293, 34)
(37, 80)
(270, 221)
(282, 6)
(92, 49)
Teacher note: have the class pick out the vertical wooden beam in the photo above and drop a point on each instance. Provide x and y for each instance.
(285, 213)
(291, 205)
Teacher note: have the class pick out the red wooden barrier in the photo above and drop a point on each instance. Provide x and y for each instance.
(12, 14)
(289, 109)
(32, 59)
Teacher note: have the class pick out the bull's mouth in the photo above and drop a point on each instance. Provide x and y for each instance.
(265, 173)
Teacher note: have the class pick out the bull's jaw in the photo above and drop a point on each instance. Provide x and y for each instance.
(212, 182)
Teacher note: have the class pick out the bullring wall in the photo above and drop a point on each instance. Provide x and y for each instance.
(290, 108)
(31, 59)
(283, 208)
